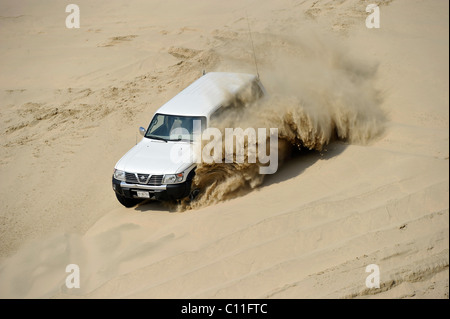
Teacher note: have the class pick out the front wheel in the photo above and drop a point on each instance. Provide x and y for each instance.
(194, 193)
(128, 202)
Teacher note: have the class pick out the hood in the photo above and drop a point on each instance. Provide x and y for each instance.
(156, 157)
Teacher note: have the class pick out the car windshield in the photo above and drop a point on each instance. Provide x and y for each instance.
(174, 127)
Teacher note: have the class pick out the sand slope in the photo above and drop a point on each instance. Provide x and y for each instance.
(71, 103)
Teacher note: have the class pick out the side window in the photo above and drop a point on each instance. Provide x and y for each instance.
(216, 116)
(236, 107)
(252, 93)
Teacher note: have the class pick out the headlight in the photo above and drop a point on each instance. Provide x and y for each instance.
(172, 178)
(120, 175)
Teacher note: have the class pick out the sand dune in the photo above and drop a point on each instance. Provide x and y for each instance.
(72, 100)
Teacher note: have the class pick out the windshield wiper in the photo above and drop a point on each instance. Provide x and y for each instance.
(179, 139)
(157, 138)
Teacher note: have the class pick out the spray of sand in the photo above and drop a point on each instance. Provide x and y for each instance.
(317, 94)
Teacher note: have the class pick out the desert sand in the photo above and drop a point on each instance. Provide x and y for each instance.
(72, 101)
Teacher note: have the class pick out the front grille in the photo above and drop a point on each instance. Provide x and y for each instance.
(131, 178)
(154, 180)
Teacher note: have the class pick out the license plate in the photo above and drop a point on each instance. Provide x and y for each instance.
(143, 194)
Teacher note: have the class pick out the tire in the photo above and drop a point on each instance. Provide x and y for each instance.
(194, 193)
(128, 202)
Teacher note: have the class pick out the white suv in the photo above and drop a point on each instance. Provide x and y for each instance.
(147, 171)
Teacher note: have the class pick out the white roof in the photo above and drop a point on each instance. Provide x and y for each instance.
(206, 94)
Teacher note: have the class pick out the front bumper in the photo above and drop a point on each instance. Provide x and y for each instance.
(162, 192)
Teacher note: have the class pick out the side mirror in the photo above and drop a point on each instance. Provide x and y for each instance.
(142, 131)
